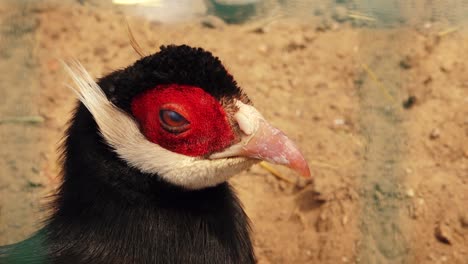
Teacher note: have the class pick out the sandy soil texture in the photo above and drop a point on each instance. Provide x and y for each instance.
(380, 114)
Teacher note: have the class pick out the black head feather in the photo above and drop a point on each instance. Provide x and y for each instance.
(172, 64)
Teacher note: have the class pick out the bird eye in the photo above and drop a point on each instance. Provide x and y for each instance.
(172, 121)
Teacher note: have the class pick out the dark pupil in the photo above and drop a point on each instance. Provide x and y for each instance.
(173, 121)
(175, 117)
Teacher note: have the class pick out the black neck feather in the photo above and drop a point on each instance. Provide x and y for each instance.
(108, 212)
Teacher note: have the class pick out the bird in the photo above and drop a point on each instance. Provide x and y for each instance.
(145, 163)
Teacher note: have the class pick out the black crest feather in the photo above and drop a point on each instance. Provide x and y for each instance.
(172, 64)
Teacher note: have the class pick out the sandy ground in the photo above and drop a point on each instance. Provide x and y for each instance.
(391, 182)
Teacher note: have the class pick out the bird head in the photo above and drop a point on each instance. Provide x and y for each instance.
(179, 115)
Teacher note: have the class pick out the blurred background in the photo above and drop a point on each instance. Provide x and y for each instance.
(375, 93)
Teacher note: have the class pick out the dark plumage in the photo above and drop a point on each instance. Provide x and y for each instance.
(148, 184)
(108, 212)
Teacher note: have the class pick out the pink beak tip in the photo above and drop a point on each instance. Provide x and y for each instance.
(306, 173)
(302, 168)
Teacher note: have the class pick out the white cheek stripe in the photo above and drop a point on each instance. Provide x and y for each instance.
(121, 132)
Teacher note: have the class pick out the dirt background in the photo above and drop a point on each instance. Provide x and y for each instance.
(391, 176)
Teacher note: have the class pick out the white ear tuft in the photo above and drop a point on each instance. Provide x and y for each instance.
(114, 124)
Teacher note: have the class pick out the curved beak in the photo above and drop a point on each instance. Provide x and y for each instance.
(264, 142)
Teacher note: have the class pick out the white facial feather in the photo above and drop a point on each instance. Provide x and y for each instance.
(121, 132)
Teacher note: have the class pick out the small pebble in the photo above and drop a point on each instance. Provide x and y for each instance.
(435, 134)
(443, 233)
(323, 216)
(344, 220)
(409, 102)
(259, 30)
(263, 49)
(35, 170)
(297, 43)
(339, 122)
(464, 219)
(410, 193)
(406, 63)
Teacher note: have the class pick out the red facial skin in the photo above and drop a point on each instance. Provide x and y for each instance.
(208, 130)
